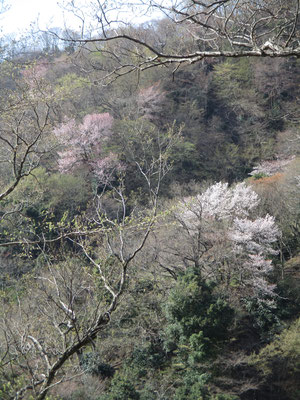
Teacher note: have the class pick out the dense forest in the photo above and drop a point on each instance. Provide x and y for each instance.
(149, 216)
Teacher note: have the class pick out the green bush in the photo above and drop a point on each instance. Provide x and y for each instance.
(197, 319)
(150, 356)
(193, 388)
(92, 364)
(264, 317)
(121, 389)
(196, 386)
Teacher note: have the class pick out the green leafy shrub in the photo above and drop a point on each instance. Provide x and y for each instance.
(193, 388)
(121, 389)
(150, 356)
(92, 364)
(196, 386)
(197, 319)
(259, 175)
(264, 316)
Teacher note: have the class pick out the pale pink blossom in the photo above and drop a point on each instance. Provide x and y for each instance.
(83, 145)
(271, 167)
(105, 168)
(35, 73)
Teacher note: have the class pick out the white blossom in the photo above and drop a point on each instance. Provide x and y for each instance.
(257, 236)
(223, 213)
(271, 167)
(219, 202)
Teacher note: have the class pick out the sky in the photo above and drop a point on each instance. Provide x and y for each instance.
(23, 12)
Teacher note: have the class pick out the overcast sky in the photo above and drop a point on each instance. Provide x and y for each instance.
(23, 12)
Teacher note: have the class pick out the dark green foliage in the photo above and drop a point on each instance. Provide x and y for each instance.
(52, 193)
(264, 316)
(121, 389)
(228, 127)
(48, 200)
(91, 363)
(46, 203)
(197, 319)
(289, 289)
(289, 298)
(149, 394)
(150, 356)
(194, 387)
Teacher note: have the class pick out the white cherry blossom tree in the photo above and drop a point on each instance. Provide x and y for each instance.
(217, 232)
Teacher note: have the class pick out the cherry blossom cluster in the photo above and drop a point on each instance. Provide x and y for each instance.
(271, 167)
(84, 145)
(228, 213)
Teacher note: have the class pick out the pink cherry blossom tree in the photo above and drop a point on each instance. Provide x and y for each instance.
(83, 145)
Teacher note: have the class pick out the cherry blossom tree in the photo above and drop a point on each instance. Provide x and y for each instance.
(252, 245)
(271, 167)
(219, 202)
(217, 232)
(84, 143)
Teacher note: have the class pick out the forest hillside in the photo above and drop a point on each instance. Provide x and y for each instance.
(149, 224)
